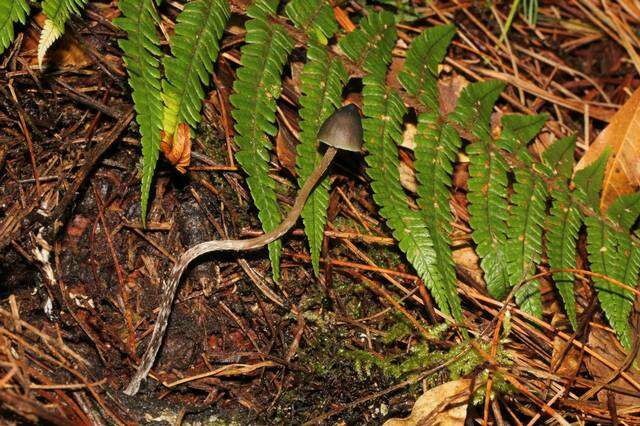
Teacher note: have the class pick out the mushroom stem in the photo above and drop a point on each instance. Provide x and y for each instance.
(198, 250)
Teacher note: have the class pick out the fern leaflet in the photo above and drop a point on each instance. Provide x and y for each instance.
(256, 88)
(58, 13)
(141, 52)
(437, 144)
(11, 12)
(384, 111)
(420, 72)
(564, 221)
(195, 48)
(371, 45)
(487, 184)
(527, 214)
(616, 302)
(315, 17)
(610, 249)
(322, 81)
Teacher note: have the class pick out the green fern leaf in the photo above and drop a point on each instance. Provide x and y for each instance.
(194, 47)
(518, 130)
(588, 181)
(524, 241)
(11, 12)
(564, 223)
(616, 302)
(557, 160)
(420, 72)
(384, 112)
(141, 52)
(474, 107)
(625, 264)
(256, 88)
(371, 45)
(315, 17)
(487, 184)
(564, 220)
(437, 144)
(524, 245)
(322, 81)
(59, 11)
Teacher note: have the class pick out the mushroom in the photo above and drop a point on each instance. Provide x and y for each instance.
(342, 130)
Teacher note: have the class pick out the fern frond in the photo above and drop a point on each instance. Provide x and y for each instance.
(256, 89)
(437, 144)
(518, 130)
(59, 11)
(524, 245)
(527, 213)
(487, 184)
(370, 46)
(557, 160)
(588, 181)
(474, 107)
(315, 17)
(194, 49)
(49, 34)
(613, 253)
(564, 223)
(384, 112)
(564, 220)
(616, 302)
(11, 12)
(420, 73)
(141, 52)
(322, 80)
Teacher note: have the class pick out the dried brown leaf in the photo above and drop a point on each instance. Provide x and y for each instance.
(622, 135)
(177, 148)
(444, 405)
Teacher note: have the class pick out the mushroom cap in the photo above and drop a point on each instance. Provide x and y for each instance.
(342, 129)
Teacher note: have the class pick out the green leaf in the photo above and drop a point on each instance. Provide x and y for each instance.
(384, 112)
(11, 12)
(518, 130)
(314, 17)
(59, 11)
(194, 47)
(524, 243)
(487, 184)
(564, 224)
(437, 145)
(611, 254)
(420, 73)
(474, 107)
(370, 46)
(141, 51)
(557, 159)
(256, 88)
(322, 81)
(589, 181)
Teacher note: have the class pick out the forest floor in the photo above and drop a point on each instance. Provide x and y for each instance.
(81, 278)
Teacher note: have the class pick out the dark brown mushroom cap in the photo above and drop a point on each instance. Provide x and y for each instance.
(342, 129)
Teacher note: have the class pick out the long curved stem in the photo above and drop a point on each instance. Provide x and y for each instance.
(198, 250)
